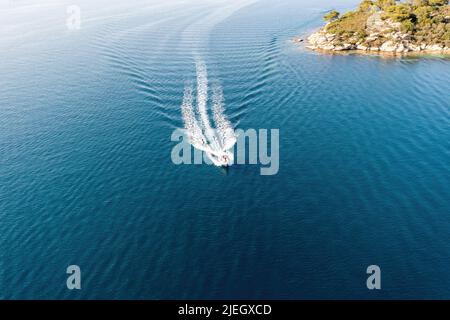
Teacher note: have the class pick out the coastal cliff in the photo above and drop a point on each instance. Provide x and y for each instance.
(420, 26)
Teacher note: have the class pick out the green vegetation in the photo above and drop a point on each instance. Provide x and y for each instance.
(423, 20)
(350, 24)
(332, 15)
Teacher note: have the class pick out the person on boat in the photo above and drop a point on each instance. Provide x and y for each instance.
(225, 159)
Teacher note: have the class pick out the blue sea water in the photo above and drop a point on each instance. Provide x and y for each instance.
(86, 176)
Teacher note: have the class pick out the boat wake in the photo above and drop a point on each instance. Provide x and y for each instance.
(216, 143)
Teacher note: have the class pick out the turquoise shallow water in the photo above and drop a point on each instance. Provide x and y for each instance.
(86, 176)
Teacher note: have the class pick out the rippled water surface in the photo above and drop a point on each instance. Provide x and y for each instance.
(86, 176)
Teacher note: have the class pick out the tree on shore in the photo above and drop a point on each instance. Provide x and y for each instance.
(365, 5)
(332, 15)
(437, 3)
(382, 4)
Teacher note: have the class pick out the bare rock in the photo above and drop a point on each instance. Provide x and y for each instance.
(389, 46)
(406, 36)
(435, 47)
(400, 48)
(327, 47)
(330, 36)
(414, 48)
(361, 47)
(348, 46)
(371, 38)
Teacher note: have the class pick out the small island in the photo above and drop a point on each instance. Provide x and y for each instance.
(387, 26)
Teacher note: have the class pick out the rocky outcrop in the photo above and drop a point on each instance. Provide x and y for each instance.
(381, 36)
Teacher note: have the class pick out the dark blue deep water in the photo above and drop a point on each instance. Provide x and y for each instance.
(86, 176)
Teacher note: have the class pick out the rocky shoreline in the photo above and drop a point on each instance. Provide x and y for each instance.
(376, 33)
(398, 43)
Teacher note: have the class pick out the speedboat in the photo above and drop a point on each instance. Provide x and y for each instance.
(222, 158)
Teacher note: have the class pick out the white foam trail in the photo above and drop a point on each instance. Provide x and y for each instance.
(216, 143)
(202, 94)
(193, 130)
(223, 125)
